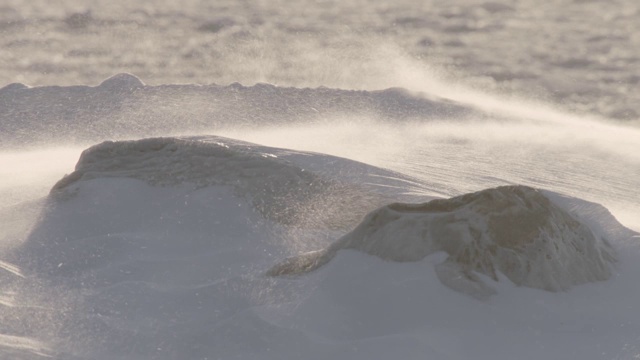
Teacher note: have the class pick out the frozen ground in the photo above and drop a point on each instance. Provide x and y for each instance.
(158, 248)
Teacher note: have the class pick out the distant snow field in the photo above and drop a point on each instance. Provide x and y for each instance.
(319, 180)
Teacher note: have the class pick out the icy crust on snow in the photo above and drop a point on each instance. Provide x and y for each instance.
(278, 188)
(513, 230)
(124, 107)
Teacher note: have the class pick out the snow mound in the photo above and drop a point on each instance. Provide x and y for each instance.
(513, 230)
(279, 189)
(122, 82)
(172, 161)
(13, 87)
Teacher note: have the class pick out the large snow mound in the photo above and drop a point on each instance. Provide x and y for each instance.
(513, 230)
(172, 161)
(279, 188)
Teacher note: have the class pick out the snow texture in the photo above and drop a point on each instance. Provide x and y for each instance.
(514, 230)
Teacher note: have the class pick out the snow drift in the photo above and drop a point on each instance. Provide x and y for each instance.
(514, 230)
(122, 107)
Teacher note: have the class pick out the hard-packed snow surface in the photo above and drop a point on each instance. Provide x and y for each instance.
(514, 230)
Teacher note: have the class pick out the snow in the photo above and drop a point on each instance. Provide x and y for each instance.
(584, 56)
(122, 107)
(278, 188)
(224, 137)
(157, 248)
(122, 82)
(125, 239)
(13, 87)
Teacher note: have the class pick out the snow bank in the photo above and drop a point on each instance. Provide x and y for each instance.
(513, 230)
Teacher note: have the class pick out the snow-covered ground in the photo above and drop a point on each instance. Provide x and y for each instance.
(190, 202)
(161, 248)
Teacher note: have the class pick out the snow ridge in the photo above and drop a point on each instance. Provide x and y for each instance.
(122, 106)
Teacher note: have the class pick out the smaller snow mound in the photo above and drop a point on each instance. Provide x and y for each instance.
(122, 82)
(172, 161)
(13, 87)
(514, 230)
